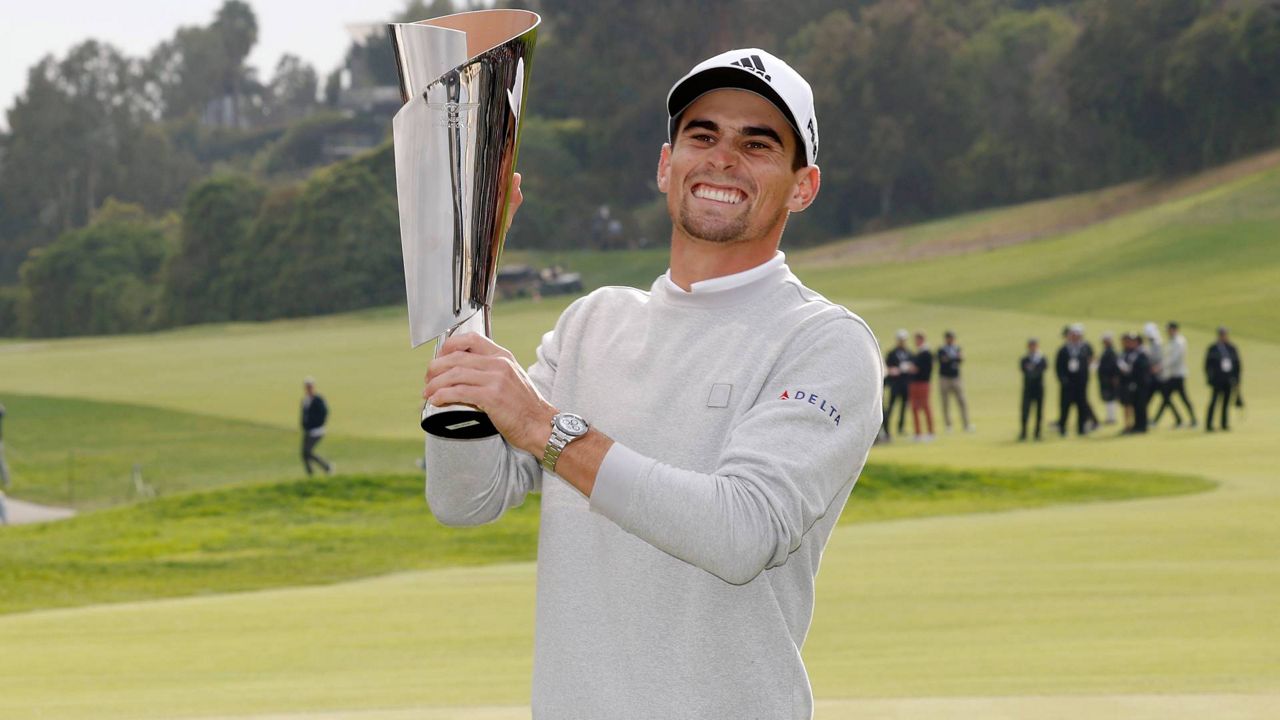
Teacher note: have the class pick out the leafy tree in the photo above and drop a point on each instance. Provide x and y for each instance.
(342, 246)
(96, 280)
(1023, 142)
(888, 102)
(203, 66)
(200, 277)
(291, 94)
(70, 133)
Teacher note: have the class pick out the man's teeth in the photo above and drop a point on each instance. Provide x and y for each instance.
(733, 197)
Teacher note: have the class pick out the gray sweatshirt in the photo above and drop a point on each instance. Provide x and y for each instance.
(684, 587)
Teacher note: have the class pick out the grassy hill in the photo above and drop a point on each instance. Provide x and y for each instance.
(1137, 605)
(1209, 256)
(330, 529)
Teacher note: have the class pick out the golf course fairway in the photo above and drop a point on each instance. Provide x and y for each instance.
(1150, 608)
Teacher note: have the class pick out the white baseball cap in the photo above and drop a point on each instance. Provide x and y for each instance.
(756, 71)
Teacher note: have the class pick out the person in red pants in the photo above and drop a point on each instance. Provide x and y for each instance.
(918, 389)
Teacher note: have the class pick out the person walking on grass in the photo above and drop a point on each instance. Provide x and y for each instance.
(1033, 366)
(315, 413)
(897, 378)
(949, 384)
(1222, 371)
(693, 444)
(1173, 376)
(918, 388)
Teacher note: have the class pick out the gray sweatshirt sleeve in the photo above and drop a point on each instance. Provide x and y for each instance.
(471, 482)
(781, 469)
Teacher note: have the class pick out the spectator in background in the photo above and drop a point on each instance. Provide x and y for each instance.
(1072, 368)
(1173, 376)
(1222, 371)
(949, 358)
(4, 466)
(1033, 366)
(1061, 422)
(897, 364)
(918, 388)
(314, 415)
(1109, 376)
(1155, 355)
(1135, 382)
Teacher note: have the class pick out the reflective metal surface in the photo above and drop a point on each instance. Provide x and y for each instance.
(462, 79)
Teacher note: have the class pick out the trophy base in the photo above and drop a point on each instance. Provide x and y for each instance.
(457, 423)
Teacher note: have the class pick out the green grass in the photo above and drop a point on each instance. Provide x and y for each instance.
(1207, 259)
(331, 529)
(634, 268)
(1147, 597)
(305, 532)
(894, 492)
(81, 453)
(253, 372)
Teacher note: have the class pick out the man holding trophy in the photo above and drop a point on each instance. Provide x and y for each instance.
(693, 444)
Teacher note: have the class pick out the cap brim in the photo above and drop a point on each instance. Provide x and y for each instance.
(727, 78)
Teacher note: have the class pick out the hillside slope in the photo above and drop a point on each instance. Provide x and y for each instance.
(1207, 257)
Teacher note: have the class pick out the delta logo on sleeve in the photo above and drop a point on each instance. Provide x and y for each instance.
(819, 402)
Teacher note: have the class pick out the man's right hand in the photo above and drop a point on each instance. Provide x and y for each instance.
(473, 370)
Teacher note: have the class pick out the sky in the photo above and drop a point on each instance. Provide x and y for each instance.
(315, 30)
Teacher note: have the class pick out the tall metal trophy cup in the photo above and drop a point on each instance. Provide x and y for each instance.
(462, 80)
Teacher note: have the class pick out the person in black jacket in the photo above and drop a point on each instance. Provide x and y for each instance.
(918, 387)
(1033, 366)
(950, 356)
(1072, 368)
(1109, 377)
(1222, 371)
(1135, 381)
(897, 365)
(314, 414)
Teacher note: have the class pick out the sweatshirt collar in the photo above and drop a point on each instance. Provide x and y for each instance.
(727, 282)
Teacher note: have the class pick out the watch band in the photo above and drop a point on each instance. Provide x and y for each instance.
(555, 445)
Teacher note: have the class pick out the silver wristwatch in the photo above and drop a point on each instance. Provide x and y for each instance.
(565, 428)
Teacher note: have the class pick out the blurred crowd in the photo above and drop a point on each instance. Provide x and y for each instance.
(1146, 372)
(1138, 382)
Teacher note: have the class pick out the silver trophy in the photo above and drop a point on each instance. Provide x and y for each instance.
(462, 80)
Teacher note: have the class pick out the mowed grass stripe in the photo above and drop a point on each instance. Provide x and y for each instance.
(1026, 603)
(332, 529)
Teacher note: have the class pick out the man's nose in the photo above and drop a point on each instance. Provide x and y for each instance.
(723, 155)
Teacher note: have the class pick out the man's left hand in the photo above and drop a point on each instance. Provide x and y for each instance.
(473, 370)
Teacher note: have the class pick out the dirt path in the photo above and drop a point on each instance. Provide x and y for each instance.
(21, 512)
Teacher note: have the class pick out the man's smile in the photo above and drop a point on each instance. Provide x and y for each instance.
(728, 195)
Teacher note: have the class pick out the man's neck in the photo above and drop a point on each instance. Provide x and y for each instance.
(696, 260)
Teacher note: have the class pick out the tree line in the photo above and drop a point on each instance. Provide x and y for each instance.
(139, 193)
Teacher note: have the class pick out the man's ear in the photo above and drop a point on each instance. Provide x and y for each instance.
(664, 167)
(808, 180)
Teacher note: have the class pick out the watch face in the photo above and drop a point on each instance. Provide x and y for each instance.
(571, 425)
